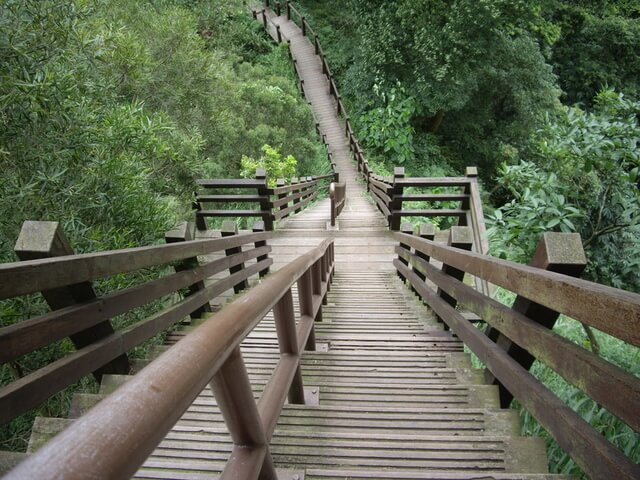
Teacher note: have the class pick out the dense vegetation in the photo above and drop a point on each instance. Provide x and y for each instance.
(110, 109)
(539, 94)
(543, 96)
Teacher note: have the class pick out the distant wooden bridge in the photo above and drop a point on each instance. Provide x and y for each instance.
(332, 335)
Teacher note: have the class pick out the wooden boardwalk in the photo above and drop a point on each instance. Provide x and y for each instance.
(390, 392)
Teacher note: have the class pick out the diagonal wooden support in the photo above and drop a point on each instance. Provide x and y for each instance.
(182, 233)
(229, 228)
(45, 240)
(459, 237)
(556, 252)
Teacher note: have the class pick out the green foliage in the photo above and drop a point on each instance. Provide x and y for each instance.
(272, 162)
(599, 46)
(387, 129)
(476, 74)
(538, 205)
(585, 168)
(109, 110)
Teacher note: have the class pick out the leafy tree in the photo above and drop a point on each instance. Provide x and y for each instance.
(475, 71)
(598, 46)
(591, 161)
(387, 129)
(272, 162)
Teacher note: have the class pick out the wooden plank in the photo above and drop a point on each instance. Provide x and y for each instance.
(434, 197)
(21, 278)
(434, 182)
(231, 198)
(232, 213)
(432, 212)
(289, 198)
(229, 183)
(287, 211)
(582, 300)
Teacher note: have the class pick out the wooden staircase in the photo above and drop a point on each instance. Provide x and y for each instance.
(390, 395)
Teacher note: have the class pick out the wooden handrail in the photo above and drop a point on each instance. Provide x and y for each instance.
(115, 437)
(77, 311)
(585, 301)
(588, 302)
(337, 194)
(299, 193)
(32, 276)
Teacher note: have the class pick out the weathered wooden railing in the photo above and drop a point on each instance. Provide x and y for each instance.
(273, 203)
(114, 438)
(519, 334)
(65, 281)
(337, 194)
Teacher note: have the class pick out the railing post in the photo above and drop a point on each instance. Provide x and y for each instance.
(45, 240)
(259, 227)
(285, 321)
(281, 183)
(265, 202)
(201, 222)
(471, 173)
(408, 229)
(264, 19)
(230, 228)
(305, 300)
(288, 10)
(332, 197)
(459, 237)
(428, 232)
(232, 391)
(278, 34)
(304, 27)
(295, 180)
(182, 233)
(278, 9)
(396, 203)
(556, 252)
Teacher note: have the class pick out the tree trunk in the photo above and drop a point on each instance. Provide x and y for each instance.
(436, 121)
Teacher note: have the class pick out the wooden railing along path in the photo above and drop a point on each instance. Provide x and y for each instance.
(116, 437)
(65, 280)
(273, 203)
(518, 335)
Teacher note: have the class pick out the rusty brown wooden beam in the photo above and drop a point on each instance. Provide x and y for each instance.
(47, 240)
(31, 390)
(581, 368)
(591, 451)
(115, 437)
(28, 335)
(582, 300)
(21, 278)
